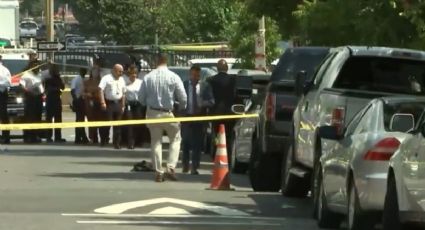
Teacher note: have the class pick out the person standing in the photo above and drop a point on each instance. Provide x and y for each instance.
(112, 96)
(223, 87)
(5, 83)
(92, 106)
(133, 109)
(32, 84)
(199, 97)
(54, 85)
(160, 88)
(77, 90)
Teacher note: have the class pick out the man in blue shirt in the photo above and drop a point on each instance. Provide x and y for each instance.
(200, 97)
(160, 88)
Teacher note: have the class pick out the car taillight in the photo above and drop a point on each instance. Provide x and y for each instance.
(383, 150)
(270, 106)
(337, 119)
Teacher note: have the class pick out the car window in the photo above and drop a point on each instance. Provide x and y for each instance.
(296, 60)
(414, 108)
(379, 74)
(28, 25)
(15, 66)
(352, 125)
(365, 123)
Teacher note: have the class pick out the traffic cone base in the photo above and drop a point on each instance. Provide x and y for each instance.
(220, 176)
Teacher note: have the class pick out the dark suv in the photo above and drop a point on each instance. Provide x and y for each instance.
(275, 121)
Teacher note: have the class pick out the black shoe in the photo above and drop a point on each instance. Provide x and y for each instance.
(117, 147)
(194, 172)
(103, 144)
(36, 140)
(6, 142)
(49, 140)
(131, 147)
(61, 140)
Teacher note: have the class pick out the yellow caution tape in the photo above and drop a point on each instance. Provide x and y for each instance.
(35, 67)
(65, 125)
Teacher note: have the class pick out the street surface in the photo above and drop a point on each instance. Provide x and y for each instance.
(49, 186)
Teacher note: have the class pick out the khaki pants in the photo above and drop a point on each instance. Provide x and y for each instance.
(173, 133)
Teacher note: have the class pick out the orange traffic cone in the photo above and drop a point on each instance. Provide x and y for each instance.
(220, 177)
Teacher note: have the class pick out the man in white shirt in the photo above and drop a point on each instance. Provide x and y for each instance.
(32, 83)
(160, 89)
(77, 89)
(112, 97)
(5, 82)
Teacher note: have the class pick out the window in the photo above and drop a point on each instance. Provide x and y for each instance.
(352, 125)
(387, 75)
(296, 60)
(323, 69)
(414, 108)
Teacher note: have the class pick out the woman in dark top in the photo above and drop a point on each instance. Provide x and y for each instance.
(54, 86)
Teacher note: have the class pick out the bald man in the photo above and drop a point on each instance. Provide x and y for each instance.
(112, 98)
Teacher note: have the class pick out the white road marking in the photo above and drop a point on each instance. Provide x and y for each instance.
(175, 222)
(126, 216)
(169, 211)
(122, 207)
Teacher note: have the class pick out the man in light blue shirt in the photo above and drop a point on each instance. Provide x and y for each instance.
(160, 89)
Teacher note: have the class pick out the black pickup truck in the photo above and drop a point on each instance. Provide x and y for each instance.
(275, 118)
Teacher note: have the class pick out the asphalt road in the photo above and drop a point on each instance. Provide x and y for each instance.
(49, 186)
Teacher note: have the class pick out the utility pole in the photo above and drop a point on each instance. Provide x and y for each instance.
(260, 46)
(50, 20)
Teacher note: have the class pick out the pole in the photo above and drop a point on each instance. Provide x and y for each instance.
(49, 21)
(260, 46)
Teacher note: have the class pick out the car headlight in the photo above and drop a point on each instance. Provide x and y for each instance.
(19, 100)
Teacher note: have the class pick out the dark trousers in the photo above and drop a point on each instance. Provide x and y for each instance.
(80, 114)
(114, 112)
(33, 110)
(133, 111)
(192, 141)
(4, 117)
(54, 112)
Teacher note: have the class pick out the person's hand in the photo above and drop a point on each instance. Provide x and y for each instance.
(103, 106)
(122, 109)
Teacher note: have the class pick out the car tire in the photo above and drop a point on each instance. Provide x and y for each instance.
(264, 171)
(325, 217)
(237, 167)
(292, 185)
(390, 216)
(357, 219)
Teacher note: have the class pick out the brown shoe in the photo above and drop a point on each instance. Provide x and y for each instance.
(171, 175)
(159, 177)
(185, 169)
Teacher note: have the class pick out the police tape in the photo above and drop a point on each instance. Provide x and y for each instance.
(30, 69)
(88, 124)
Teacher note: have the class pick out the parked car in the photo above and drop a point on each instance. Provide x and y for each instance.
(354, 163)
(347, 80)
(28, 29)
(242, 137)
(272, 132)
(405, 188)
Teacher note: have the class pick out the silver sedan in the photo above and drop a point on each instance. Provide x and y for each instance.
(352, 177)
(405, 197)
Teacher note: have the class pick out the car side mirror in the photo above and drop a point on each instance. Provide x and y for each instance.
(402, 122)
(238, 109)
(300, 83)
(330, 132)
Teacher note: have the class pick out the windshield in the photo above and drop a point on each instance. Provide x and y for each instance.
(295, 60)
(379, 74)
(414, 108)
(28, 25)
(15, 66)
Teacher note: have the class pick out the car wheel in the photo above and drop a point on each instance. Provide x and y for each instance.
(292, 185)
(264, 171)
(357, 219)
(390, 216)
(237, 167)
(325, 217)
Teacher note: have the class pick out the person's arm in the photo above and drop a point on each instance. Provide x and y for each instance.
(73, 86)
(62, 84)
(123, 95)
(102, 86)
(207, 95)
(180, 93)
(142, 93)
